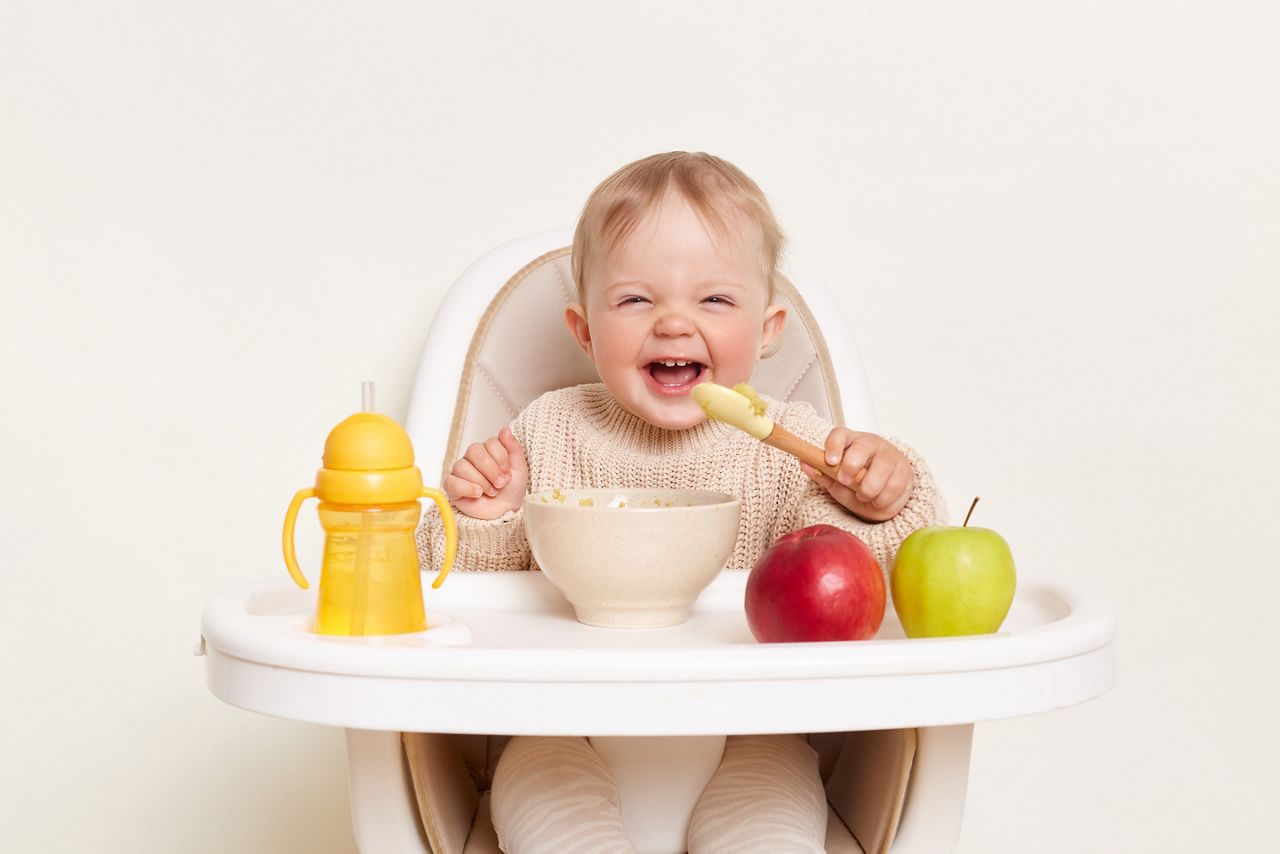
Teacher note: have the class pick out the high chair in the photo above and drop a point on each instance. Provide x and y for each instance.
(427, 715)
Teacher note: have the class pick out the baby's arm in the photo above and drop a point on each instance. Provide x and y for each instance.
(491, 479)
(885, 486)
(812, 501)
(487, 487)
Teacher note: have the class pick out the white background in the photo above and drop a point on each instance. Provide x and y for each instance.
(1054, 227)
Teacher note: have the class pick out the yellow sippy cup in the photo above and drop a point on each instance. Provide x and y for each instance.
(369, 490)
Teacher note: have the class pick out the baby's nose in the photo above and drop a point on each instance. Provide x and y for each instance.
(673, 323)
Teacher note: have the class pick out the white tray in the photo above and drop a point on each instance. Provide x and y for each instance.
(504, 654)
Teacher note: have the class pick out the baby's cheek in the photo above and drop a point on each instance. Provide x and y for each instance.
(615, 351)
(737, 352)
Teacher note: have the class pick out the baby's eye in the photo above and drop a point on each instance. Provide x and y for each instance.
(631, 300)
(719, 300)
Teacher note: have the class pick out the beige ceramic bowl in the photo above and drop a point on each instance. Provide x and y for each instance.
(631, 557)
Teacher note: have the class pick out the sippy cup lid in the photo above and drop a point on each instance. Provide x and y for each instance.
(368, 441)
(368, 459)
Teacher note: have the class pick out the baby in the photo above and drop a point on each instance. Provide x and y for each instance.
(675, 260)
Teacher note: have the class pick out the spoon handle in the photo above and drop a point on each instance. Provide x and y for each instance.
(812, 455)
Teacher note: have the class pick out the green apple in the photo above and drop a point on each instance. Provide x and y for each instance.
(952, 581)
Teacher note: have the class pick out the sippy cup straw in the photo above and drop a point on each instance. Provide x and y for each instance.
(364, 541)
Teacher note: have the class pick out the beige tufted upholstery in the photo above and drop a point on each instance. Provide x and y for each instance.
(521, 348)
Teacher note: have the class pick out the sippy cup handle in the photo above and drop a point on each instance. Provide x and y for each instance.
(290, 517)
(450, 531)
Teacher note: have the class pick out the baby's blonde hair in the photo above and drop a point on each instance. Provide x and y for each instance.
(714, 187)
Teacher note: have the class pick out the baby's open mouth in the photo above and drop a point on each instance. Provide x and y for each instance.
(675, 373)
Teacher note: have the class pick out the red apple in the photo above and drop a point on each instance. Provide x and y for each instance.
(815, 584)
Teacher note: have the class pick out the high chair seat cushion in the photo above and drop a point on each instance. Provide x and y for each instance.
(483, 838)
(445, 794)
(839, 839)
(868, 785)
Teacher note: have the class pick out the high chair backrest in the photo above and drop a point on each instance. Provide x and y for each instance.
(499, 340)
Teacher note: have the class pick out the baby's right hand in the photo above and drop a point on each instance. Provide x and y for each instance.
(490, 479)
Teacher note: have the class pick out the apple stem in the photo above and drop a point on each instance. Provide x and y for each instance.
(970, 513)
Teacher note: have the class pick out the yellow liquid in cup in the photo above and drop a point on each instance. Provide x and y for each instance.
(369, 578)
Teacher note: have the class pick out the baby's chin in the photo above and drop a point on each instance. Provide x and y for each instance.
(679, 414)
(677, 423)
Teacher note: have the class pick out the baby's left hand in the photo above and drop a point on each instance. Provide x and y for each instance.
(885, 486)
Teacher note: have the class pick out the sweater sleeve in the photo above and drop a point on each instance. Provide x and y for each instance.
(810, 504)
(483, 544)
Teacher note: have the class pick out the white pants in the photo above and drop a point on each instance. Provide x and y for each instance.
(556, 796)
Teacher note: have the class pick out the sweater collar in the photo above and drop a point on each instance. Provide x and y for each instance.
(606, 417)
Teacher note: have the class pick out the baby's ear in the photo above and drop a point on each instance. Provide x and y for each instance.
(575, 317)
(775, 317)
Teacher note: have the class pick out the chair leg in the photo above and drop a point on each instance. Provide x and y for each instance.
(934, 808)
(384, 813)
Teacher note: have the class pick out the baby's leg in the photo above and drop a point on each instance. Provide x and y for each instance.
(766, 796)
(555, 796)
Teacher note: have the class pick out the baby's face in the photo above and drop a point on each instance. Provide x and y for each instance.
(675, 292)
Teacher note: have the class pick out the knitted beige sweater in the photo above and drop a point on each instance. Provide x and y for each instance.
(580, 437)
